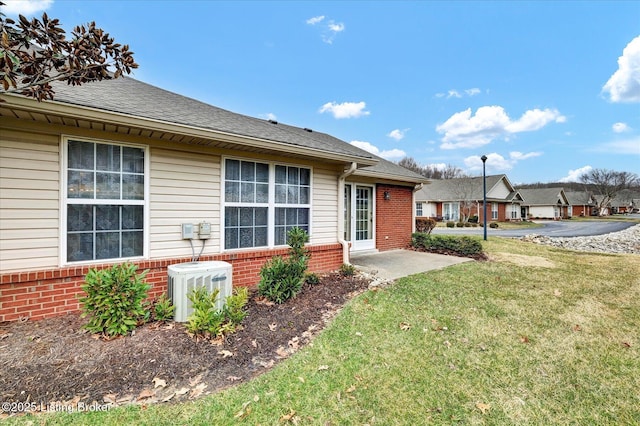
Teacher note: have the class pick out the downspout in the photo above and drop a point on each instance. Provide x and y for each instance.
(417, 188)
(345, 244)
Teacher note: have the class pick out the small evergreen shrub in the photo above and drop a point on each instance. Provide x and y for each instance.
(493, 225)
(312, 279)
(474, 218)
(467, 225)
(114, 299)
(460, 245)
(451, 224)
(209, 322)
(425, 224)
(459, 224)
(347, 270)
(162, 309)
(281, 279)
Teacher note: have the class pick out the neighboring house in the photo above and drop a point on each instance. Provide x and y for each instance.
(624, 201)
(545, 203)
(581, 203)
(460, 198)
(110, 171)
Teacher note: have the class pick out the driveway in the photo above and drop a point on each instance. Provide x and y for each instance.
(550, 228)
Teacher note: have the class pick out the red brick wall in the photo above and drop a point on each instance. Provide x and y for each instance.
(394, 217)
(46, 293)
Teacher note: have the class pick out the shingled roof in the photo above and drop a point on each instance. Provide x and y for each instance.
(463, 189)
(544, 196)
(138, 99)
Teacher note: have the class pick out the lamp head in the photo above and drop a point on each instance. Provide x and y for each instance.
(483, 158)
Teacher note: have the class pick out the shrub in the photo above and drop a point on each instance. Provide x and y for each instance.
(425, 224)
(467, 225)
(163, 309)
(451, 224)
(312, 279)
(347, 270)
(493, 225)
(209, 322)
(459, 224)
(114, 299)
(280, 279)
(205, 320)
(459, 245)
(474, 218)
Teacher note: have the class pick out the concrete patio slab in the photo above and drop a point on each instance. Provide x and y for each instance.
(396, 264)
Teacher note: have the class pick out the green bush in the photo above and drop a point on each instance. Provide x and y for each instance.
(312, 279)
(206, 320)
(467, 225)
(451, 224)
(114, 299)
(493, 225)
(348, 270)
(459, 224)
(460, 245)
(281, 279)
(210, 322)
(474, 218)
(163, 309)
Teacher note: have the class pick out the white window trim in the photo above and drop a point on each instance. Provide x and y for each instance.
(271, 204)
(64, 201)
(495, 209)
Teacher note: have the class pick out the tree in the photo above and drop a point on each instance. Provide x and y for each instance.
(431, 171)
(35, 53)
(608, 183)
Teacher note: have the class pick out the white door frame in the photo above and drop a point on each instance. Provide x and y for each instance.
(361, 238)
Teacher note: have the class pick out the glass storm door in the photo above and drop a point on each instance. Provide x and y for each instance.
(359, 216)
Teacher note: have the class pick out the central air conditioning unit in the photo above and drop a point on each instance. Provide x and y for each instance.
(184, 277)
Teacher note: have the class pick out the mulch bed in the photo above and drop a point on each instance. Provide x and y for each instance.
(56, 362)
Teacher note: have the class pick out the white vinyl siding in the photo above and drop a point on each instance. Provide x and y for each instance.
(324, 215)
(547, 212)
(29, 187)
(185, 188)
(499, 191)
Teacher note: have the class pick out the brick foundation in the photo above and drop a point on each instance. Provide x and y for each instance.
(41, 294)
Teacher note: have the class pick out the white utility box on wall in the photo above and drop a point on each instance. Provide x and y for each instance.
(184, 277)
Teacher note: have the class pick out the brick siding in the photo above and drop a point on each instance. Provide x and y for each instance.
(394, 221)
(41, 294)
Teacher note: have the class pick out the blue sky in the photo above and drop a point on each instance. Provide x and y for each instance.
(546, 90)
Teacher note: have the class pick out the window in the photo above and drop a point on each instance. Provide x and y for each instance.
(515, 209)
(494, 211)
(105, 201)
(450, 211)
(419, 209)
(263, 202)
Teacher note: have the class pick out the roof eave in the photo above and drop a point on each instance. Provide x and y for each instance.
(115, 118)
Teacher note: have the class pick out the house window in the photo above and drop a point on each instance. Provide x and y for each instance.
(105, 201)
(450, 211)
(494, 211)
(419, 209)
(263, 202)
(515, 209)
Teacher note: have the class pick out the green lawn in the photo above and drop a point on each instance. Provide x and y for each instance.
(536, 336)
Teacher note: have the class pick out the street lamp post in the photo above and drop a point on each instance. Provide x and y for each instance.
(484, 195)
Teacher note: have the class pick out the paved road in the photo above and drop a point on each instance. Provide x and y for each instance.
(563, 228)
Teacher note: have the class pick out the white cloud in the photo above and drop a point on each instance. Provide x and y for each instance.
(464, 130)
(574, 175)
(315, 20)
(345, 109)
(453, 94)
(496, 162)
(620, 127)
(472, 92)
(336, 28)
(622, 147)
(624, 84)
(397, 134)
(270, 116)
(392, 154)
(328, 30)
(25, 7)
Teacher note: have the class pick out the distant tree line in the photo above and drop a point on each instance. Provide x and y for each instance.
(432, 172)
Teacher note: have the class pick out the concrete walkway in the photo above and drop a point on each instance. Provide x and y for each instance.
(396, 264)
